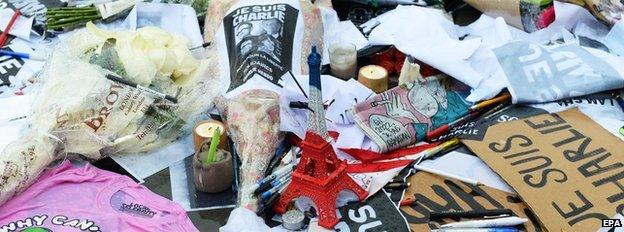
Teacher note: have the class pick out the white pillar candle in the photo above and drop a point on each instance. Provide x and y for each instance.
(343, 60)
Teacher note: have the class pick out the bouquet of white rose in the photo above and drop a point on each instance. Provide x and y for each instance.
(110, 92)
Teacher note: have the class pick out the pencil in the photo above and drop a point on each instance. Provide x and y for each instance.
(444, 129)
(473, 112)
(437, 149)
(135, 85)
(502, 98)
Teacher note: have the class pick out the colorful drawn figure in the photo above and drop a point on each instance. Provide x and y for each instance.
(434, 100)
(36, 229)
(404, 115)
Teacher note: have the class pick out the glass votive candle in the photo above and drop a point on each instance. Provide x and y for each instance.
(343, 60)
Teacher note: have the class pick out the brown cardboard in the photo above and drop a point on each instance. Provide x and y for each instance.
(507, 9)
(434, 194)
(537, 157)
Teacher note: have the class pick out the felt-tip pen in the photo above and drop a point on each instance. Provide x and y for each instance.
(498, 222)
(143, 88)
(469, 214)
(268, 179)
(266, 195)
(272, 184)
(499, 229)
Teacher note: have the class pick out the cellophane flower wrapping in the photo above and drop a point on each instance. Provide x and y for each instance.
(252, 121)
(81, 111)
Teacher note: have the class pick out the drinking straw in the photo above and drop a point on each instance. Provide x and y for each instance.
(22, 55)
(5, 33)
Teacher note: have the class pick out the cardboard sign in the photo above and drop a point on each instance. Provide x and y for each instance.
(436, 194)
(566, 167)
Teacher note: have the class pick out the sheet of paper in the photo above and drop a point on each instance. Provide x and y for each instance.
(338, 31)
(21, 27)
(565, 153)
(350, 93)
(13, 107)
(351, 136)
(17, 74)
(471, 167)
(539, 73)
(614, 39)
(144, 165)
(436, 44)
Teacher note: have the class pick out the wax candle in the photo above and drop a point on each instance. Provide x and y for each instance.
(204, 130)
(374, 77)
(343, 60)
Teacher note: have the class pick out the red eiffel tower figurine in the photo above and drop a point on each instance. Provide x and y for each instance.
(320, 175)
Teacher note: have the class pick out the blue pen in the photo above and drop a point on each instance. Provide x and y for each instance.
(280, 180)
(266, 186)
(22, 55)
(495, 229)
(267, 194)
(278, 173)
(280, 152)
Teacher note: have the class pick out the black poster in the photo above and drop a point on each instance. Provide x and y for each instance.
(259, 41)
(377, 213)
(476, 130)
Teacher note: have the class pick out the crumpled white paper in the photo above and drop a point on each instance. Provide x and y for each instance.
(178, 19)
(465, 53)
(429, 36)
(244, 220)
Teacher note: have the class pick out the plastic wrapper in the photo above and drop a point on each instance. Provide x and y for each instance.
(81, 110)
(528, 15)
(252, 121)
(609, 11)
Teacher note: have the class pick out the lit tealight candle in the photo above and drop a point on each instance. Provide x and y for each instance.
(374, 77)
(205, 129)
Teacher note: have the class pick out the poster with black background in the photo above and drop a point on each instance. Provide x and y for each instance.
(377, 213)
(259, 41)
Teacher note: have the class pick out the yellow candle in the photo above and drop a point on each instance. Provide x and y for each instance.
(374, 77)
(205, 129)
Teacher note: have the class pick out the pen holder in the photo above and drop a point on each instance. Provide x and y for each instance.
(213, 177)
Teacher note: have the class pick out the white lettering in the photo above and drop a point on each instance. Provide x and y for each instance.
(39, 219)
(537, 52)
(534, 70)
(58, 220)
(361, 217)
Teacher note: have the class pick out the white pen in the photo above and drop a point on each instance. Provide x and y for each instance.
(503, 229)
(499, 222)
(448, 175)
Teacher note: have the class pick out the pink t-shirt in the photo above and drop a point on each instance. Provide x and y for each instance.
(75, 199)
